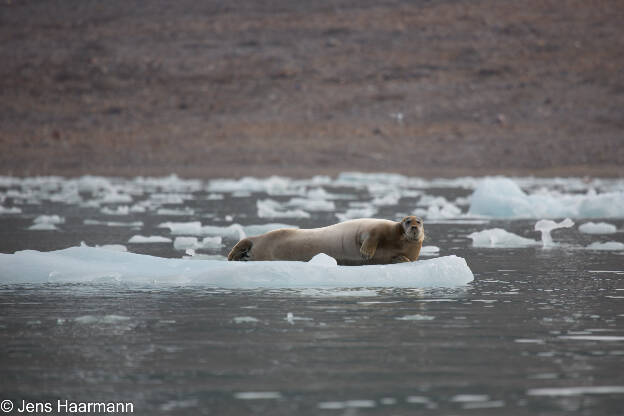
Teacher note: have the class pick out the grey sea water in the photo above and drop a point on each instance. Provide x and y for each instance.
(538, 332)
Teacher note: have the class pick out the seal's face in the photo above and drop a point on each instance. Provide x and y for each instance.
(413, 228)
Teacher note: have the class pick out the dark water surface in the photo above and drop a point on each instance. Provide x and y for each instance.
(535, 329)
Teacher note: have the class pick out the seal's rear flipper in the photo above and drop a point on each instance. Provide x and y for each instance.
(241, 251)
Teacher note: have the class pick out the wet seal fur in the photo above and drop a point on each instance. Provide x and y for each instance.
(354, 242)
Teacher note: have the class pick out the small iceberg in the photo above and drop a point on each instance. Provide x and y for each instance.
(96, 265)
(497, 237)
(142, 239)
(609, 245)
(547, 226)
(598, 228)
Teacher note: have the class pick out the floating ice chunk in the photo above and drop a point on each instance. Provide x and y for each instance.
(114, 197)
(104, 319)
(88, 264)
(183, 243)
(170, 211)
(140, 239)
(311, 204)
(120, 210)
(416, 317)
(428, 200)
(291, 318)
(598, 228)
(139, 208)
(42, 226)
(192, 227)
(133, 224)
(195, 228)
(388, 199)
(273, 185)
(497, 237)
(214, 197)
(93, 184)
(349, 404)
(464, 398)
(258, 395)
(430, 251)
(364, 179)
(46, 222)
(609, 245)
(268, 208)
(12, 210)
(547, 226)
(437, 208)
(353, 213)
(503, 198)
(245, 319)
(233, 231)
(170, 198)
(575, 391)
(171, 183)
(49, 219)
(323, 259)
(322, 194)
(444, 211)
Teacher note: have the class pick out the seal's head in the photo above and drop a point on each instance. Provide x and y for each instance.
(413, 228)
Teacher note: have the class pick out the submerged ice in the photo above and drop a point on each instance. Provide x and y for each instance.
(96, 265)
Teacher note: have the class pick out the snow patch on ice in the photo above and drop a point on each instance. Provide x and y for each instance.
(323, 259)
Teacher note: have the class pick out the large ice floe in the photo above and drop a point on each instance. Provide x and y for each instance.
(96, 265)
(503, 198)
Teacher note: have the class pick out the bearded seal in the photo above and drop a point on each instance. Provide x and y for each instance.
(354, 242)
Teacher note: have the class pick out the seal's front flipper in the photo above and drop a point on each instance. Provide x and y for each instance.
(369, 246)
(400, 259)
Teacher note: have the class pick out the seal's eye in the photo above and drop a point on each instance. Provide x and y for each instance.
(408, 222)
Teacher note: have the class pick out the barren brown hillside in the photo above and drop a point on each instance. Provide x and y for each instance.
(218, 88)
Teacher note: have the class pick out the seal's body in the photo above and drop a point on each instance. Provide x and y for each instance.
(354, 242)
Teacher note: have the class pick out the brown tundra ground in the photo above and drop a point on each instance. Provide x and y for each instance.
(252, 87)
